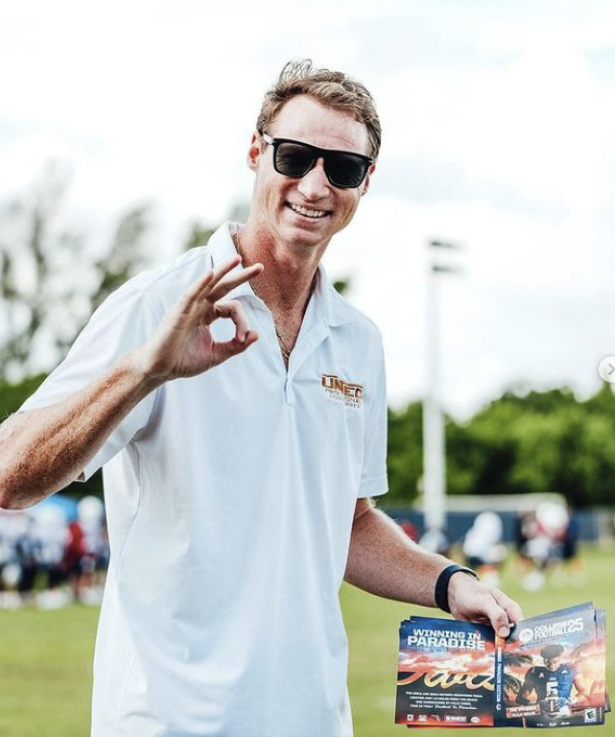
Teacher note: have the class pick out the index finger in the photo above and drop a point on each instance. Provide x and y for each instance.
(220, 288)
(223, 269)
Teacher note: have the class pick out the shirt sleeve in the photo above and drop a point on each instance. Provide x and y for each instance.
(122, 323)
(374, 480)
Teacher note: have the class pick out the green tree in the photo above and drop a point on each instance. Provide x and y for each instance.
(405, 452)
(540, 442)
(518, 444)
(12, 396)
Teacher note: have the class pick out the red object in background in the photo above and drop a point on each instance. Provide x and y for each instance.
(75, 549)
(410, 530)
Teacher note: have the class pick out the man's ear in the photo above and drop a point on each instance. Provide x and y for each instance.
(365, 185)
(255, 151)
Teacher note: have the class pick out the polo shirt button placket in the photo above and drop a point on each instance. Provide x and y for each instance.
(289, 391)
(266, 327)
(294, 363)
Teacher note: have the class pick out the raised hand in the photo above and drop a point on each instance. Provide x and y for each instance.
(183, 344)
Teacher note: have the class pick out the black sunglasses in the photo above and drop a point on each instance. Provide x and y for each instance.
(295, 159)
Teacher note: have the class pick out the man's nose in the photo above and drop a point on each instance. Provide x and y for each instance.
(315, 185)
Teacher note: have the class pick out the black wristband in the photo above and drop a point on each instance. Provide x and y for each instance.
(441, 591)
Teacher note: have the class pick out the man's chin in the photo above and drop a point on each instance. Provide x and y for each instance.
(309, 237)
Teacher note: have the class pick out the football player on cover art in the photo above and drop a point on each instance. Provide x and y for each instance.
(552, 683)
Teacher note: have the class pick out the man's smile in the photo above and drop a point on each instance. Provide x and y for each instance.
(308, 213)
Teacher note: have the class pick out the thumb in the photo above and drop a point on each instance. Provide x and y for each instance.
(229, 348)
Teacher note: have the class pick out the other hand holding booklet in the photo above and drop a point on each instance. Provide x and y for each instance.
(550, 672)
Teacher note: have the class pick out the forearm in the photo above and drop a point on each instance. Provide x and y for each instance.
(384, 561)
(43, 450)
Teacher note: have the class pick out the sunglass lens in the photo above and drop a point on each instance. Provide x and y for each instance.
(345, 170)
(293, 159)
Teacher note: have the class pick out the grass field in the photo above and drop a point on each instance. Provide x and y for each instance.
(45, 658)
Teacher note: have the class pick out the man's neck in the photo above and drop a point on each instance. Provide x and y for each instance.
(288, 279)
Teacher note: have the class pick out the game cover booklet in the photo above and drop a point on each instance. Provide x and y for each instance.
(550, 672)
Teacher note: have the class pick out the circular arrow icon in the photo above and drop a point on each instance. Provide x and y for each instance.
(607, 369)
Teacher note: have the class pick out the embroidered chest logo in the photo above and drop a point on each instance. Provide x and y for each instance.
(342, 391)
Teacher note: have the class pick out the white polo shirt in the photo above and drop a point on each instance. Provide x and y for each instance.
(230, 499)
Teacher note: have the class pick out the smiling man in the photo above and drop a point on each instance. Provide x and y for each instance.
(239, 491)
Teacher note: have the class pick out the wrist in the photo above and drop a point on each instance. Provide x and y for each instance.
(443, 581)
(136, 371)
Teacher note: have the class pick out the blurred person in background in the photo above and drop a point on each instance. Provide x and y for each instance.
(545, 532)
(94, 556)
(27, 552)
(571, 554)
(51, 537)
(571, 568)
(483, 547)
(239, 473)
(525, 529)
(74, 554)
(17, 559)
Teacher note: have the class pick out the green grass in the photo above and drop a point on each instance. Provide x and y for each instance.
(46, 672)
(46, 658)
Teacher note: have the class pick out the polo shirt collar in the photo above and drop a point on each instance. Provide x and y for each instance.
(330, 304)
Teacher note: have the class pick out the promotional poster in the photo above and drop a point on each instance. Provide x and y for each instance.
(554, 669)
(550, 672)
(445, 674)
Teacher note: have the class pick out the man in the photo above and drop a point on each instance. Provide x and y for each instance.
(238, 491)
(552, 683)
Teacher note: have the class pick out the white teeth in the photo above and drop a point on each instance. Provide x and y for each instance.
(307, 213)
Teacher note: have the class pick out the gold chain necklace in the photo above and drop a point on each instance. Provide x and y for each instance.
(285, 350)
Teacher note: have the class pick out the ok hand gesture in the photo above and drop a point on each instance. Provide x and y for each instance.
(183, 344)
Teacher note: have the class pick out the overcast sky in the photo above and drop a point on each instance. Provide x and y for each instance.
(498, 123)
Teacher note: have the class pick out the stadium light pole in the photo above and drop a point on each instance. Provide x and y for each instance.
(434, 452)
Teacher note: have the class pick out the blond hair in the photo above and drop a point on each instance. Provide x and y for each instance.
(334, 90)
